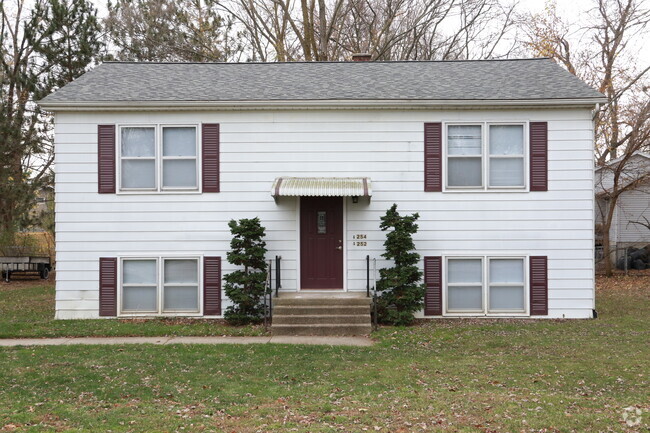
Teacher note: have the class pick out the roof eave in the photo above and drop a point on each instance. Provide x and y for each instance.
(55, 106)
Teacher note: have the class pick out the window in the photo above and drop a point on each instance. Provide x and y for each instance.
(140, 286)
(156, 158)
(506, 287)
(138, 158)
(181, 285)
(160, 285)
(465, 285)
(465, 153)
(485, 285)
(485, 155)
(179, 157)
(506, 156)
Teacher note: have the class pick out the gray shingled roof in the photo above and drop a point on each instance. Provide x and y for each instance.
(503, 80)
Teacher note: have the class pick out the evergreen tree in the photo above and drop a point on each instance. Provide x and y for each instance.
(402, 294)
(246, 287)
(41, 48)
(172, 30)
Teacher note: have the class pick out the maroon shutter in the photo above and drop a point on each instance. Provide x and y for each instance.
(433, 157)
(538, 286)
(433, 283)
(108, 286)
(538, 156)
(106, 159)
(210, 156)
(212, 286)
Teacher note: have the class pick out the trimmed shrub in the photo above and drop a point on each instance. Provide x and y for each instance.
(402, 294)
(246, 287)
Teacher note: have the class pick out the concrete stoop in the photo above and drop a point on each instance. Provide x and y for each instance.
(321, 314)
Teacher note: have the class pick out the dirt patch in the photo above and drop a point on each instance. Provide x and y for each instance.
(25, 282)
(630, 272)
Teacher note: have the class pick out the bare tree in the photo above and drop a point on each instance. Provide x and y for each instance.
(606, 61)
(318, 30)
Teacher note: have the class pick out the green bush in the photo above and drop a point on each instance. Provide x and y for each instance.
(246, 287)
(402, 294)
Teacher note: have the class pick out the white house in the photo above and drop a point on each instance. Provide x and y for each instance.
(154, 159)
(632, 206)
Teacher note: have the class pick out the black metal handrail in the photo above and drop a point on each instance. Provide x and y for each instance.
(278, 275)
(368, 276)
(374, 289)
(268, 305)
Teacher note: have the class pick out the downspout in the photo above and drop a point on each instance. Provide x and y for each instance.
(594, 312)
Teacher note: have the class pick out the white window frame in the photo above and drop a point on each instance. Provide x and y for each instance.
(163, 286)
(481, 285)
(488, 286)
(137, 158)
(122, 285)
(485, 158)
(158, 170)
(160, 287)
(485, 266)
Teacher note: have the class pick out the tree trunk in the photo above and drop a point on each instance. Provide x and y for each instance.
(607, 224)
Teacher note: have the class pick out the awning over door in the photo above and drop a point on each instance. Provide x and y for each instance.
(321, 187)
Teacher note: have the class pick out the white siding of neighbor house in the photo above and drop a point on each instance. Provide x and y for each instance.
(387, 146)
(632, 207)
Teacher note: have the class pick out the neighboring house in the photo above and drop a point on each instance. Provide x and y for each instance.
(632, 207)
(154, 159)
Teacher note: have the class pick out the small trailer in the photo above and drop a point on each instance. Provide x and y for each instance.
(26, 265)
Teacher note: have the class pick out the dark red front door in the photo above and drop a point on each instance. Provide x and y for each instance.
(321, 242)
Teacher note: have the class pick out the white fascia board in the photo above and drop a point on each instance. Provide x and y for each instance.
(316, 104)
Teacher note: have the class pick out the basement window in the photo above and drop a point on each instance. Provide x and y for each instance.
(159, 285)
(485, 285)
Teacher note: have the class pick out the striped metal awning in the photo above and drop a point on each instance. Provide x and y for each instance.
(321, 187)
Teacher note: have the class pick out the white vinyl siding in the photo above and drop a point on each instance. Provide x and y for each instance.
(384, 145)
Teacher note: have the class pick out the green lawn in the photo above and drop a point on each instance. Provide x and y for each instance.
(27, 310)
(470, 375)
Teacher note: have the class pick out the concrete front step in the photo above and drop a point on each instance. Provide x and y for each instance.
(321, 329)
(303, 310)
(320, 301)
(321, 314)
(314, 319)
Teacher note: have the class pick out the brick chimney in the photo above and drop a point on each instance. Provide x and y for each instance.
(361, 57)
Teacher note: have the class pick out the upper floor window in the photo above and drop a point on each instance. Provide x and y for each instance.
(158, 158)
(485, 156)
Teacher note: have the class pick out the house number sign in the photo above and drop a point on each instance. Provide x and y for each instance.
(359, 240)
